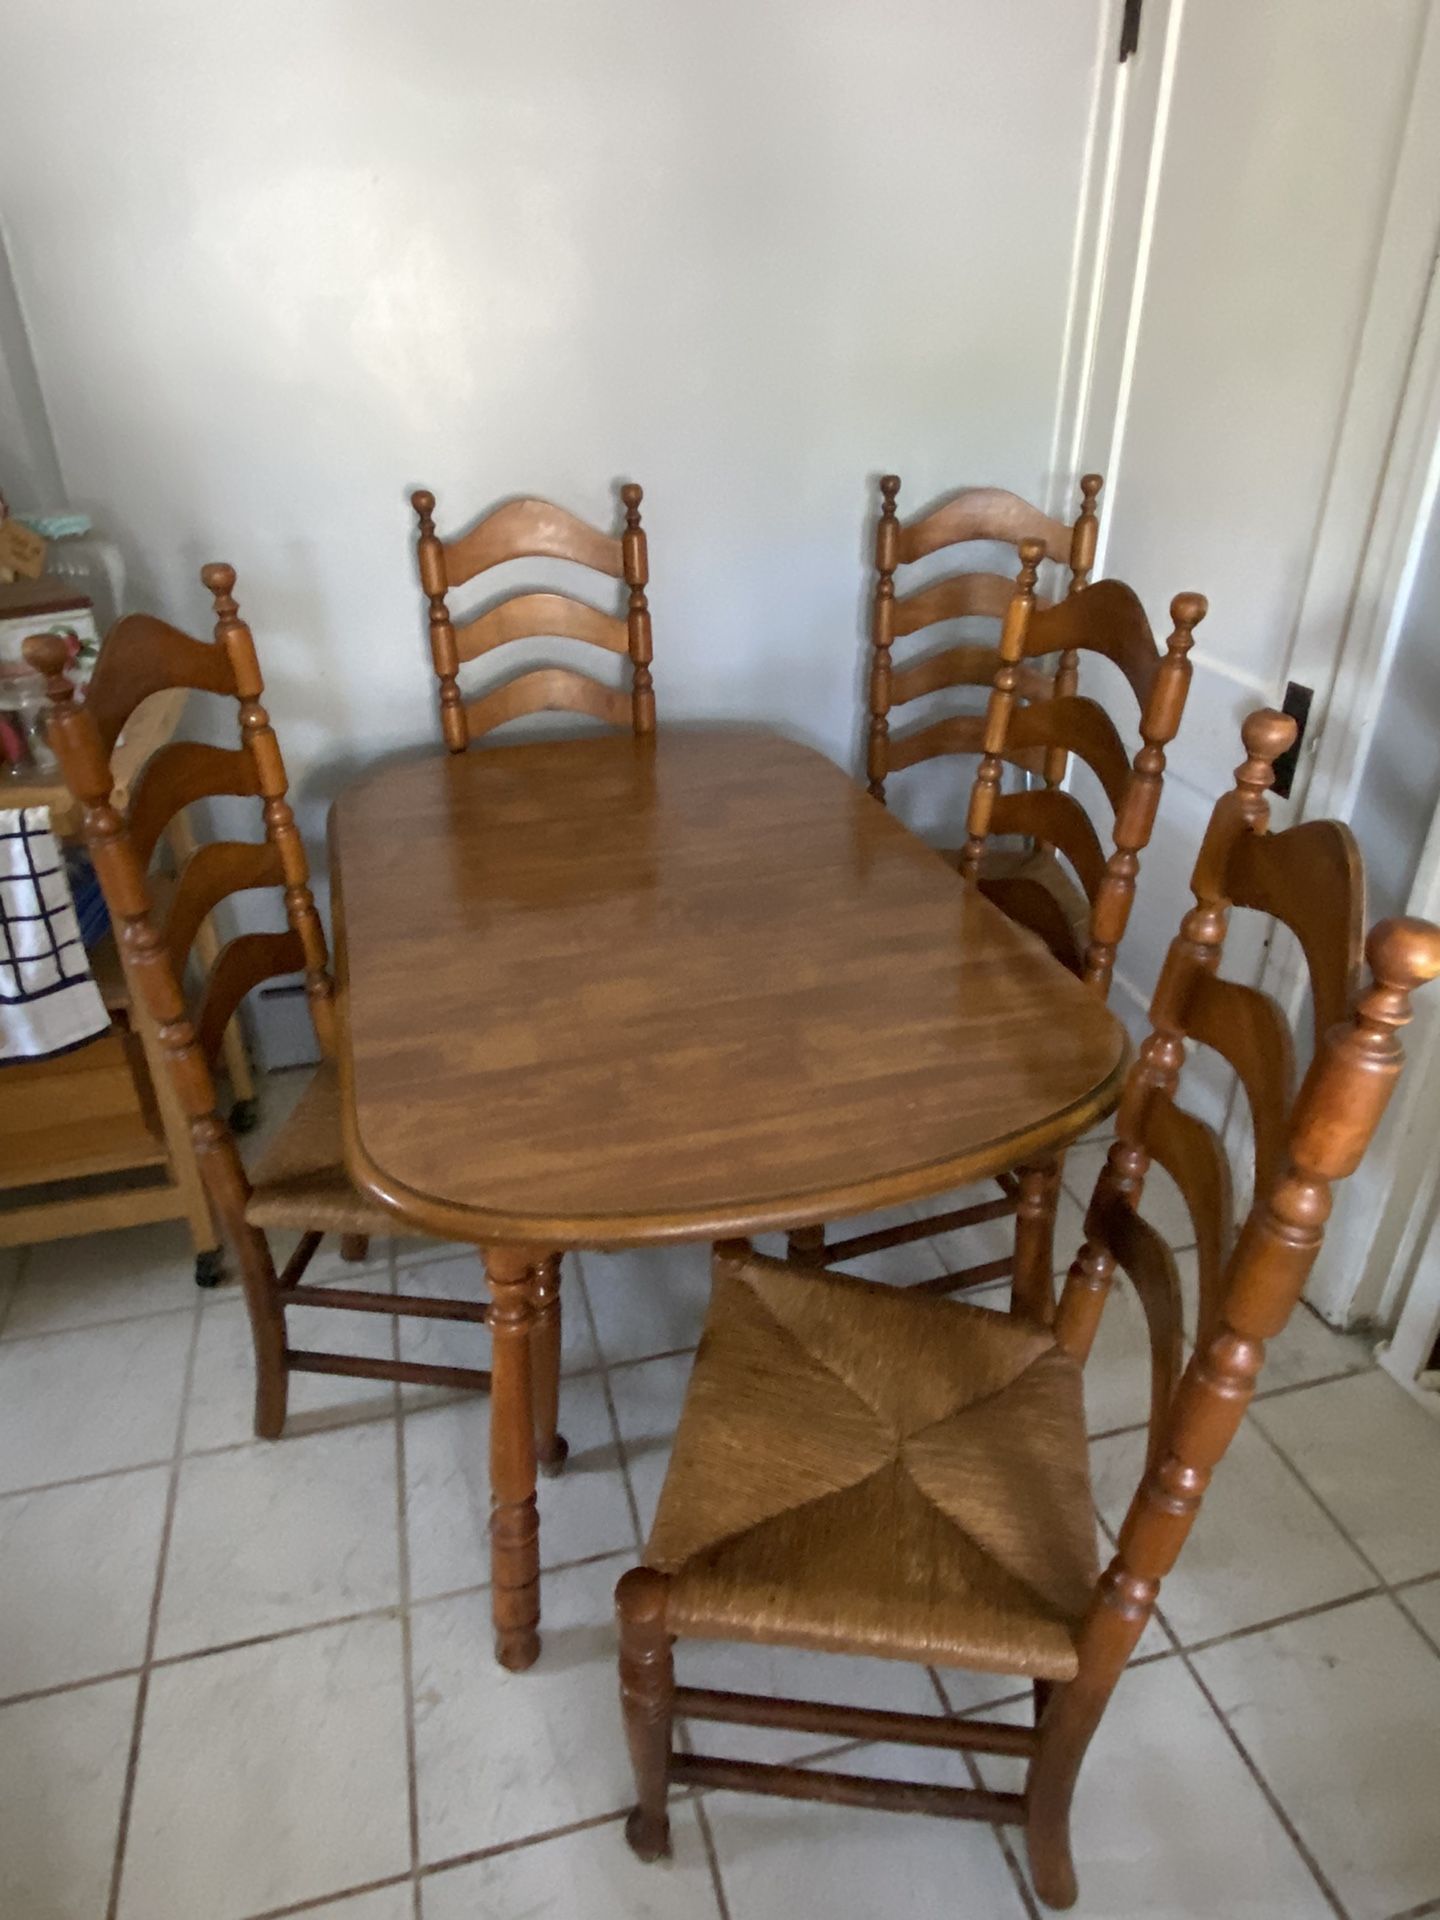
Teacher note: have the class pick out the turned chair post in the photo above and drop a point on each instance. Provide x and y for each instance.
(1135, 818)
(882, 636)
(1083, 539)
(647, 1699)
(997, 714)
(257, 736)
(636, 563)
(430, 555)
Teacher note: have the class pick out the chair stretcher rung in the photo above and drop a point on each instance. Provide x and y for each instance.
(847, 1789)
(855, 1723)
(901, 1236)
(406, 1305)
(414, 1373)
(980, 1276)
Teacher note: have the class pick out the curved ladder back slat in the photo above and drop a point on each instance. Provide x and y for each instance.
(183, 771)
(522, 529)
(1107, 619)
(962, 666)
(1312, 878)
(532, 616)
(1146, 1258)
(957, 733)
(1192, 1154)
(983, 513)
(1080, 726)
(980, 513)
(1058, 820)
(547, 690)
(531, 530)
(241, 965)
(962, 596)
(212, 873)
(142, 655)
(1248, 1030)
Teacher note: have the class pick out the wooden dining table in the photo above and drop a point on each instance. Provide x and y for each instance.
(618, 992)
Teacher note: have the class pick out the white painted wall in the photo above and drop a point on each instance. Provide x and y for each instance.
(283, 261)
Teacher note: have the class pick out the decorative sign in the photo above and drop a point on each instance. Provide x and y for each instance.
(22, 553)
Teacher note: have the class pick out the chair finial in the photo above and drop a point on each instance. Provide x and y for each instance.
(218, 578)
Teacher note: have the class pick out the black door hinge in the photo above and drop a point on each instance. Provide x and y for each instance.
(1297, 704)
(1130, 30)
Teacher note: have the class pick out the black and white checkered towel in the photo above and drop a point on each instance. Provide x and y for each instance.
(49, 1001)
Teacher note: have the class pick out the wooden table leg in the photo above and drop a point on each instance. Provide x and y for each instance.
(514, 1523)
(1032, 1290)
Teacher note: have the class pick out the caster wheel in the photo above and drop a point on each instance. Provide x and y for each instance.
(244, 1116)
(209, 1268)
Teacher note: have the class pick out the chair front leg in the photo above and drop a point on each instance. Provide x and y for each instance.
(354, 1247)
(551, 1446)
(805, 1246)
(1032, 1291)
(263, 1302)
(514, 1522)
(647, 1698)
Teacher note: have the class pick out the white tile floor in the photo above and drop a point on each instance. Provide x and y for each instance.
(242, 1680)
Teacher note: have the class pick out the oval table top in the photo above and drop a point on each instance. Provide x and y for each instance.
(609, 991)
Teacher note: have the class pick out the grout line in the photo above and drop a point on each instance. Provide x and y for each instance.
(1282, 1619)
(1344, 1532)
(1430, 1639)
(1271, 1798)
(327, 1899)
(1002, 1834)
(712, 1857)
(142, 1691)
(1418, 1913)
(407, 1644)
(95, 1326)
(66, 1686)
(613, 1817)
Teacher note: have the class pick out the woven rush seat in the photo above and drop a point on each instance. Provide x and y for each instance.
(1031, 885)
(859, 1469)
(299, 1180)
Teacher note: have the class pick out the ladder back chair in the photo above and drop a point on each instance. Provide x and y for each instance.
(1107, 620)
(860, 1471)
(299, 1182)
(988, 514)
(525, 530)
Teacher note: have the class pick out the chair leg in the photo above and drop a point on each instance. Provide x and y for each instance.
(647, 1698)
(267, 1332)
(1032, 1291)
(514, 1523)
(806, 1246)
(551, 1446)
(354, 1246)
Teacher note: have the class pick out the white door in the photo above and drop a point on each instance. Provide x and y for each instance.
(1253, 178)
(1264, 230)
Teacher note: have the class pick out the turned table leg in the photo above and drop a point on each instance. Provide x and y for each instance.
(514, 1523)
(1032, 1290)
